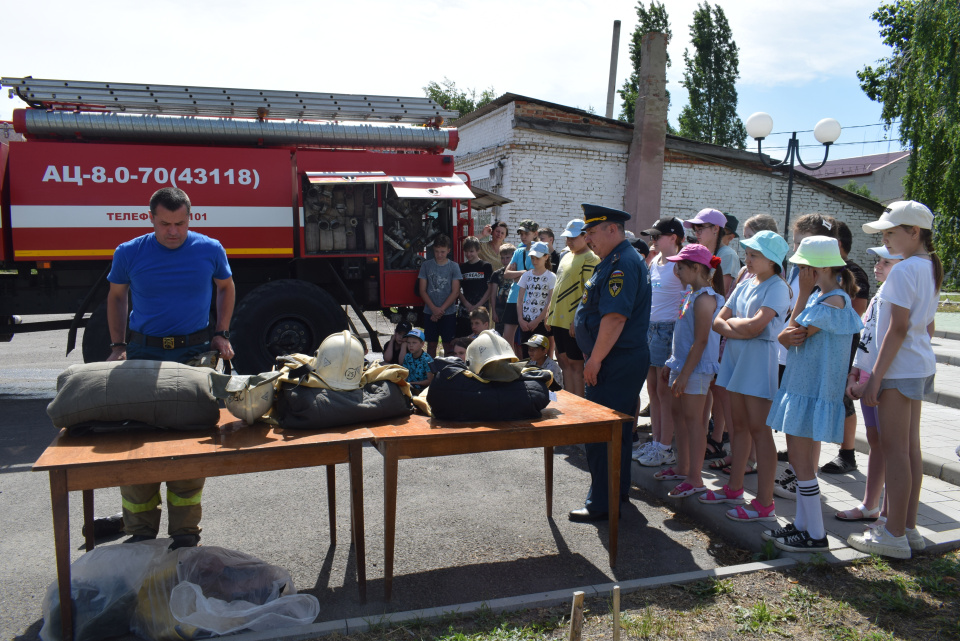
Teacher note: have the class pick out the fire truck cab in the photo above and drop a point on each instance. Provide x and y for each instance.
(315, 212)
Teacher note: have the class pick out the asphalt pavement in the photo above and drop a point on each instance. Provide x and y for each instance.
(469, 528)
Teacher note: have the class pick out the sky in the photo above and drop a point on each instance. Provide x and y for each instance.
(798, 60)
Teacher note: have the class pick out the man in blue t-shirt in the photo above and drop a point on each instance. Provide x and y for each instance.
(170, 276)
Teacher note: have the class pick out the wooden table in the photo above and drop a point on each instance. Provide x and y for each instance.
(125, 458)
(569, 420)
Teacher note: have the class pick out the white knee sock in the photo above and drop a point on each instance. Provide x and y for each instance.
(800, 521)
(808, 495)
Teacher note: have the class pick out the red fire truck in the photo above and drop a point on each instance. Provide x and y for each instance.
(321, 201)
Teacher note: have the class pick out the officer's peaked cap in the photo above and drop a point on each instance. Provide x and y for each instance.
(593, 215)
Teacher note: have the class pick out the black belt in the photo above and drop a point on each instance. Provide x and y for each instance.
(171, 342)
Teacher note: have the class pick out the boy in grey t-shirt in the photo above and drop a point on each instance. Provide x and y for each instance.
(439, 281)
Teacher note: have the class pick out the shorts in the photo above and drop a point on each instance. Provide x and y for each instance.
(698, 383)
(913, 388)
(566, 344)
(443, 328)
(509, 316)
(660, 341)
(870, 416)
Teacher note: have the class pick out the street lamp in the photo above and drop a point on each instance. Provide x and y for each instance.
(759, 126)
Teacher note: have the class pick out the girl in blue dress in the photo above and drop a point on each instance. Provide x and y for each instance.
(808, 407)
(751, 320)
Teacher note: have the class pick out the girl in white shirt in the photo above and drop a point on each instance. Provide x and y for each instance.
(903, 373)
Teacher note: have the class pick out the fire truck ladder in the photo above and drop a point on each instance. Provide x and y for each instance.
(72, 95)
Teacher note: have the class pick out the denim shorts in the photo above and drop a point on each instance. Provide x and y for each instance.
(913, 388)
(698, 383)
(660, 341)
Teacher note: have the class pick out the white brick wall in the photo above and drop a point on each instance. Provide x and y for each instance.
(549, 175)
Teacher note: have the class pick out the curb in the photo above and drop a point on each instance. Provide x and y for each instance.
(936, 466)
(953, 336)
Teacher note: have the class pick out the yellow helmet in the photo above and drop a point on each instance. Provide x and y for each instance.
(488, 347)
(340, 361)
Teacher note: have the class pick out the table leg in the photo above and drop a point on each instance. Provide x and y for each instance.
(548, 478)
(88, 519)
(389, 517)
(356, 516)
(60, 502)
(613, 500)
(332, 501)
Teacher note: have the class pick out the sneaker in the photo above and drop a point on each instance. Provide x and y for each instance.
(802, 542)
(655, 457)
(640, 450)
(880, 541)
(915, 539)
(783, 457)
(785, 485)
(839, 465)
(780, 533)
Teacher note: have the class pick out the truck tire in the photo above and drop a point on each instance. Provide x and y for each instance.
(96, 336)
(282, 317)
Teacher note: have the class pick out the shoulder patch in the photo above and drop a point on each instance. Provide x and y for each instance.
(615, 285)
(616, 274)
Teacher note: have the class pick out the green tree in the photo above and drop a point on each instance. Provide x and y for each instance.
(653, 19)
(858, 189)
(920, 84)
(447, 95)
(710, 78)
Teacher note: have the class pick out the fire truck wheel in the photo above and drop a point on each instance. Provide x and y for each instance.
(96, 336)
(282, 317)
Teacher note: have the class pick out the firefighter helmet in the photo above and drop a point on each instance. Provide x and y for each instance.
(488, 347)
(250, 404)
(340, 361)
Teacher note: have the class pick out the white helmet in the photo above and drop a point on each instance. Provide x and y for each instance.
(250, 404)
(488, 347)
(340, 361)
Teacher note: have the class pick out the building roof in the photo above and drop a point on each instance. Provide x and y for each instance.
(856, 166)
(508, 97)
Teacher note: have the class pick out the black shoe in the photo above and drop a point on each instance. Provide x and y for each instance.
(184, 541)
(714, 450)
(137, 538)
(801, 542)
(782, 533)
(105, 526)
(782, 456)
(839, 465)
(583, 515)
(645, 412)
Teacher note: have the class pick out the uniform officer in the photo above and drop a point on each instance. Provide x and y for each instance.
(171, 275)
(611, 329)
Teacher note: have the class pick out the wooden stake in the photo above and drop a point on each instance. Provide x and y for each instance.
(576, 617)
(616, 613)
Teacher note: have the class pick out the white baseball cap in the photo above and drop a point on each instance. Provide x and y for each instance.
(902, 212)
(574, 228)
(883, 252)
(539, 250)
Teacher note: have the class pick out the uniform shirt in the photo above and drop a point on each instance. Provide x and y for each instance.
(171, 289)
(476, 276)
(574, 270)
(442, 280)
(620, 285)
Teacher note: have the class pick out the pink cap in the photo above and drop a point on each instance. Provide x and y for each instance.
(707, 216)
(697, 254)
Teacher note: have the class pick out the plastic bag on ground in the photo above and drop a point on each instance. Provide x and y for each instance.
(104, 584)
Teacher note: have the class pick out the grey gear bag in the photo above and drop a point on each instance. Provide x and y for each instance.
(134, 394)
(312, 408)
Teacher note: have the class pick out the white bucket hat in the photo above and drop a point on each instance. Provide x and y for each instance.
(902, 212)
(340, 361)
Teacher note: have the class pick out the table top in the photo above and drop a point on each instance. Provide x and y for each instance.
(230, 436)
(568, 410)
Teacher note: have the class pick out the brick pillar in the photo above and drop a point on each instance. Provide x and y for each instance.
(641, 197)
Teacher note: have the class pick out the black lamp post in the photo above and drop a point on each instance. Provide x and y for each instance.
(759, 126)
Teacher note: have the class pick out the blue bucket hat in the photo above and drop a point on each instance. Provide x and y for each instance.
(771, 244)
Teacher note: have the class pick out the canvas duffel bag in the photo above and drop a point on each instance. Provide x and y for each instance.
(457, 393)
(301, 407)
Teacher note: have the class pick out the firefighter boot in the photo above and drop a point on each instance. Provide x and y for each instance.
(184, 510)
(141, 509)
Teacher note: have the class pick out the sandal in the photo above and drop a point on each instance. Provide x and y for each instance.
(684, 490)
(719, 464)
(725, 495)
(669, 475)
(714, 449)
(859, 513)
(757, 513)
(751, 469)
